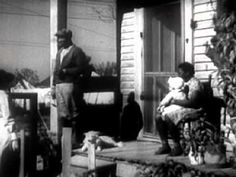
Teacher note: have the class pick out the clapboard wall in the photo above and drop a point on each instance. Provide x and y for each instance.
(127, 73)
(203, 12)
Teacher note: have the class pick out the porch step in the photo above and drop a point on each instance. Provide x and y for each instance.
(104, 168)
(79, 167)
(124, 169)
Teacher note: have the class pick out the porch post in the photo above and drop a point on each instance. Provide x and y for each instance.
(53, 50)
(58, 20)
(187, 32)
(139, 53)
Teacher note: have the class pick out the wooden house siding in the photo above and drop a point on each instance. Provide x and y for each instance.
(127, 70)
(203, 12)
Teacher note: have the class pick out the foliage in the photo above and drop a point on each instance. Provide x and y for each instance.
(201, 136)
(222, 52)
(171, 169)
(28, 74)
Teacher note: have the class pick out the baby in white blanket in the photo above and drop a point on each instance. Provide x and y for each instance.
(176, 87)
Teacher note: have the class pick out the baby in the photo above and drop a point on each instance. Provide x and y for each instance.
(176, 87)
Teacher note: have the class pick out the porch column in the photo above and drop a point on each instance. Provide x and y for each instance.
(58, 20)
(187, 32)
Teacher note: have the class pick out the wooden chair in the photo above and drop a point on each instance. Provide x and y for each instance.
(27, 134)
(209, 115)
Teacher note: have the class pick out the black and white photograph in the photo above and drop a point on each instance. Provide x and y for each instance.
(118, 88)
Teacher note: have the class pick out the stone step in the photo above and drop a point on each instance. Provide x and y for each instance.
(79, 167)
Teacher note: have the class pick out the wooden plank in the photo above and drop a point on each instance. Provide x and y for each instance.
(125, 36)
(187, 31)
(127, 56)
(92, 158)
(130, 28)
(127, 71)
(82, 162)
(203, 16)
(204, 66)
(204, 24)
(202, 41)
(204, 33)
(53, 50)
(66, 151)
(201, 58)
(22, 153)
(128, 15)
(204, 7)
(127, 22)
(129, 49)
(127, 77)
(199, 50)
(129, 42)
(195, 2)
(203, 74)
(127, 63)
(127, 85)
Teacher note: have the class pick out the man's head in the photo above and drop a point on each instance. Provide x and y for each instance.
(186, 71)
(64, 38)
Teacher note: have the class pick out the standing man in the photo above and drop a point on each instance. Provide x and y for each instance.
(70, 65)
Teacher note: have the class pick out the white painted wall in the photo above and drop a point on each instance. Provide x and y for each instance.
(25, 32)
(94, 28)
(203, 12)
(24, 35)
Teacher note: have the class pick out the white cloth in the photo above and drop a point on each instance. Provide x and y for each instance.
(4, 115)
(64, 52)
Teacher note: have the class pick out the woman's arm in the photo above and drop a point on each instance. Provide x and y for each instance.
(191, 102)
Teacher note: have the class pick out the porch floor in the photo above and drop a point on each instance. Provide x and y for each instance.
(143, 152)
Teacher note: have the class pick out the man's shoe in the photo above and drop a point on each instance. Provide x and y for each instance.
(163, 150)
(176, 151)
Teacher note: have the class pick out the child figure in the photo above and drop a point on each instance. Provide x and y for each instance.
(176, 87)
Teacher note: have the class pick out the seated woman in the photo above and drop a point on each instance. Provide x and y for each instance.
(9, 154)
(169, 123)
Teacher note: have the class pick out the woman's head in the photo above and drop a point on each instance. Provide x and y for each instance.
(186, 71)
(6, 79)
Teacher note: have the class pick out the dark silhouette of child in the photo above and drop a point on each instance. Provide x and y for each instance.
(131, 119)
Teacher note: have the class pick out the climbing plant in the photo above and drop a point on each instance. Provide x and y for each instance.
(222, 52)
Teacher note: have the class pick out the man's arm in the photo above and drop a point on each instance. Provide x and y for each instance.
(80, 63)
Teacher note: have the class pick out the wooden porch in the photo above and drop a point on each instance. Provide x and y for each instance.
(127, 159)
